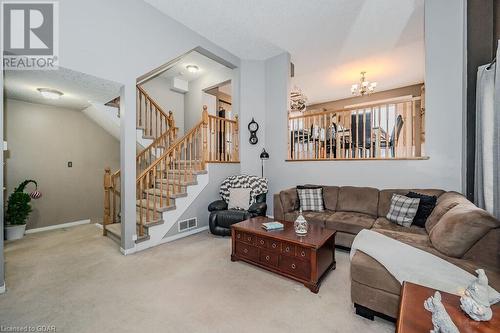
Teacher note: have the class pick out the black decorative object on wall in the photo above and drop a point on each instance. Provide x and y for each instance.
(253, 127)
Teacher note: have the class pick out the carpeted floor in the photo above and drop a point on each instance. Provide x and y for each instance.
(78, 281)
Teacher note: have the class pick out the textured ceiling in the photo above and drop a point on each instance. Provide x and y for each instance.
(78, 88)
(330, 41)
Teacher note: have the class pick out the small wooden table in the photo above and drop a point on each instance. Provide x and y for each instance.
(413, 318)
(306, 259)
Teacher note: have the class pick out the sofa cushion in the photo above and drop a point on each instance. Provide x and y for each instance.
(289, 200)
(445, 202)
(460, 228)
(311, 217)
(486, 251)
(358, 199)
(384, 198)
(384, 224)
(420, 241)
(330, 197)
(368, 271)
(350, 222)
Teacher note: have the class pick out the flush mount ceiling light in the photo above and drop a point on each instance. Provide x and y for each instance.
(364, 87)
(192, 68)
(50, 93)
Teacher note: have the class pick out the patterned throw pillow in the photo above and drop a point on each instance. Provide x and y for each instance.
(311, 199)
(425, 207)
(403, 209)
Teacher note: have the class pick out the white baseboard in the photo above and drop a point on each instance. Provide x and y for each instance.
(2, 289)
(58, 226)
(127, 251)
(182, 235)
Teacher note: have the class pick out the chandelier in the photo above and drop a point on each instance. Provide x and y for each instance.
(364, 87)
(297, 100)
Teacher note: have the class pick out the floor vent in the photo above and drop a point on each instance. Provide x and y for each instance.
(188, 224)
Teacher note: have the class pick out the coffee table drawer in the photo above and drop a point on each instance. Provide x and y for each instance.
(274, 245)
(239, 235)
(247, 251)
(288, 249)
(261, 242)
(299, 268)
(303, 252)
(248, 238)
(268, 258)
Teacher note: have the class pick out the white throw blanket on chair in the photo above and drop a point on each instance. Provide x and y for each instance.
(407, 263)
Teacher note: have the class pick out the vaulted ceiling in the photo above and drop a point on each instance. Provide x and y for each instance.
(330, 41)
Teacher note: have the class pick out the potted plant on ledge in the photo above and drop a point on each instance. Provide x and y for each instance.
(18, 210)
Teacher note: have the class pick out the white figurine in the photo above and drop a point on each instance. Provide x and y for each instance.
(440, 318)
(475, 301)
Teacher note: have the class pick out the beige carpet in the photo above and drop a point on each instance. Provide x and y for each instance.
(78, 281)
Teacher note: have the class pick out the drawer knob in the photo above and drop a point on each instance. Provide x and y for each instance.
(274, 245)
(293, 266)
(287, 249)
(267, 258)
(245, 250)
(261, 242)
(303, 253)
(249, 238)
(239, 236)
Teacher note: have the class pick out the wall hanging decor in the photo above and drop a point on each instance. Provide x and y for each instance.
(253, 127)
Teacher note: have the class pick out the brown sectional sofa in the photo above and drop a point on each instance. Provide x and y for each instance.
(456, 231)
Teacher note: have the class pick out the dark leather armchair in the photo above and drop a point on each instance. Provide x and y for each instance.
(221, 218)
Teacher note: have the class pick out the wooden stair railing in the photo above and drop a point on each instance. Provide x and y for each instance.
(112, 202)
(212, 140)
(155, 149)
(157, 125)
(150, 116)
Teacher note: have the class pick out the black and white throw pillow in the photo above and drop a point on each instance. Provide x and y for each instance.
(403, 209)
(311, 199)
(425, 207)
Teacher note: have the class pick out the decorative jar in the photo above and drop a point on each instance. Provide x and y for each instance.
(300, 225)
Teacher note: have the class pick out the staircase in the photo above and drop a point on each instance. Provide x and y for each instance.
(167, 169)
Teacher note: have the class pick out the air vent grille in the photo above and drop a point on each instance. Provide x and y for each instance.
(188, 224)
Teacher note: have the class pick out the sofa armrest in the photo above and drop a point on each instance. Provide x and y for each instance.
(279, 214)
(289, 200)
(217, 205)
(258, 209)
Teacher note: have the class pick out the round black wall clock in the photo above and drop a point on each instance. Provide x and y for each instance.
(253, 127)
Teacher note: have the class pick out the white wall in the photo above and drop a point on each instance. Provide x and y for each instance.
(253, 105)
(193, 100)
(120, 40)
(159, 90)
(445, 49)
(42, 139)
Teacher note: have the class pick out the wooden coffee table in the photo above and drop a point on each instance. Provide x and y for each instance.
(414, 318)
(306, 259)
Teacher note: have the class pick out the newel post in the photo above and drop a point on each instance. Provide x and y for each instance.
(204, 118)
(107, 199)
